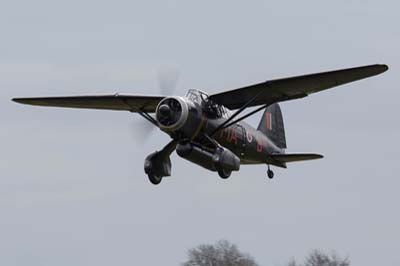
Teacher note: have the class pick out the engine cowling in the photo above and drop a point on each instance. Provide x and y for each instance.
(178, 115)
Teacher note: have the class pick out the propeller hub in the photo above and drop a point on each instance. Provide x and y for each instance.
(165, 110)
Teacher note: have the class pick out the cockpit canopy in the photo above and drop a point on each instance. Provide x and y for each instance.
(197, 96)
(211, 109)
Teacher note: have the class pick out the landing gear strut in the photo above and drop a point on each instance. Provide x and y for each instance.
(270, 173)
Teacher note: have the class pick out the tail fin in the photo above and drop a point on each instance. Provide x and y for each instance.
(271, 125)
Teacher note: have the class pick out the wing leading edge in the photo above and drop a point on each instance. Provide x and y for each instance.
(285, 89)
(106, 102)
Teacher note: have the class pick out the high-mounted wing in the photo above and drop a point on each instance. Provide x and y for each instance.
(108, 102)
(294, 87)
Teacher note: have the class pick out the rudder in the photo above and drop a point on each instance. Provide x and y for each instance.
(272, 126)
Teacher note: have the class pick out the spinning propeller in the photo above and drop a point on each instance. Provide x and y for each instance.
(167, 82)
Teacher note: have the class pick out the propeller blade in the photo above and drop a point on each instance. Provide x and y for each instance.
(167, 80)
(142, 129)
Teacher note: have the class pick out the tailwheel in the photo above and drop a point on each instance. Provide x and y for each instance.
(155, 180)
(270, 173)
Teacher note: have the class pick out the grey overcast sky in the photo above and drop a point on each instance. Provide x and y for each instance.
(72, 186)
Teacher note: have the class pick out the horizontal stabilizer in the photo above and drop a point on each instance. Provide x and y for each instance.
(295, 157)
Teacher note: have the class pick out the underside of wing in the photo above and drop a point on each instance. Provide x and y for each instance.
(294, 87)
(106, 102)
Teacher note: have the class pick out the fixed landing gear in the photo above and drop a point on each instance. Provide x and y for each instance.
(270, 173)
(224, 174)
(158, 164)
(155, 180)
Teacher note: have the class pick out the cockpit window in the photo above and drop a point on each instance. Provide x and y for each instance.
(193, 97)
(196, 96)
(214, 110)
(224, 112)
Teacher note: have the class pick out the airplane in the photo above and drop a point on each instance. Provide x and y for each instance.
(207, 129)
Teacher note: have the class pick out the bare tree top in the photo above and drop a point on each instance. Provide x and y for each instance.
(223, 253)
(319, 258)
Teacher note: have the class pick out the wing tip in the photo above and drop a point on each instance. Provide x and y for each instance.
(23, 101)
(383, 67)
(315, 156)
(18, 100)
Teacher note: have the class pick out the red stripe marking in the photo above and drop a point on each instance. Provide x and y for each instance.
(268, 120)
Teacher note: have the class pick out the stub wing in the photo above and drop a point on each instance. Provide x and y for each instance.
(278, 90)
(131, 103)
